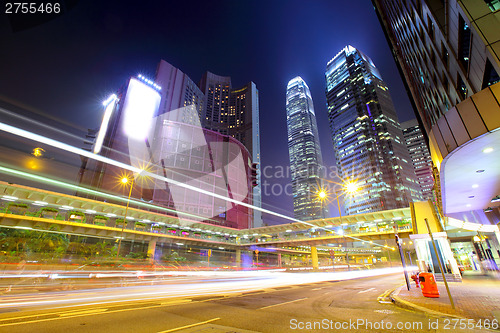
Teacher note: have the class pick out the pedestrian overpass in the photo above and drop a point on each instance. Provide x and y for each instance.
(30, 208)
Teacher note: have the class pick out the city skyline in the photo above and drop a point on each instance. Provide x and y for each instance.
(99, 60)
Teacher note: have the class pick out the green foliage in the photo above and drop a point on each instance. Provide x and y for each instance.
(32, 241)
(34, 214)
(18, 204)
(137, 255)
(77, 213)
(403, 222)
(173, 256)
(49, 209)
(140, 224)
(101, 217)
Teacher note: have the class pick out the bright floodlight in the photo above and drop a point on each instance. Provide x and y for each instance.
(124, 180)
(110, 104)
(140, 105)
(322, 194)
(351, 187)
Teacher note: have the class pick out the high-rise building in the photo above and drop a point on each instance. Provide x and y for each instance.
(367, 137)
(163, 131)
(179, 91)
(306, 162)
(234, 112)
(448, 53)
(420, 157)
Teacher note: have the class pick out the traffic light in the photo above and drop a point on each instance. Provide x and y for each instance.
(254, 174)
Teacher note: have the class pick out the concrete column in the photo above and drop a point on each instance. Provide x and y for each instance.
(151, 249)
(238, 257)
(279, 260)
(314, 257)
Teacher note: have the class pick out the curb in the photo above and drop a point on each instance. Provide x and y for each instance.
(411, 306)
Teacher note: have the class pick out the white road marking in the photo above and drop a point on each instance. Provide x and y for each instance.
(188, 326)
(270, 306)
(365, 291)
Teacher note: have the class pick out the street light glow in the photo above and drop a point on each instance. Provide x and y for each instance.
(351, 187)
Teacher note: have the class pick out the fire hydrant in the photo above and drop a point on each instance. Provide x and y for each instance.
(415, 278)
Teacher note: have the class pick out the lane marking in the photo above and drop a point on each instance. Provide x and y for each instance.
(318, 288)
(66, 315)
(181, 301)
(365, 291)
(189, 326)
(270, 306)
(84, 312)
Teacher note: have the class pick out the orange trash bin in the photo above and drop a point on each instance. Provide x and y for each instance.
(428, 285)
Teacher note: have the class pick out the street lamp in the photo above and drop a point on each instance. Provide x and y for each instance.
(125, 181)
(348, 188)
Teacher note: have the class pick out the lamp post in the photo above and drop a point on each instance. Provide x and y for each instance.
(349, 188)
(124, 181)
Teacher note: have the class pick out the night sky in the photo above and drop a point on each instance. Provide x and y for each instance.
(66, 67)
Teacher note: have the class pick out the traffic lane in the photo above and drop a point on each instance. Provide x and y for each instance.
(233, 284)
(247, 311)
(273, 310)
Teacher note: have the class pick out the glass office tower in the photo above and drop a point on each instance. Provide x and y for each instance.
(306, 162)
(420, 157)
(367, 137)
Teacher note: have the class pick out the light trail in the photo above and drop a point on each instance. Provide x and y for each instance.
(89, 191)
(63, 146)
(233, 283)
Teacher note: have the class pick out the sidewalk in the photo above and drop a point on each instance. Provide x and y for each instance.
(477, 297)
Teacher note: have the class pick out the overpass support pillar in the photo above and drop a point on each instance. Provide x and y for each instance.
(314, 257)
(151, 250)
(238, 257)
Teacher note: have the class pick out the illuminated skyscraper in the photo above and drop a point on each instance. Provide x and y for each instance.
(367, 137)
(304, 150)
(234, 112)
(420, 157)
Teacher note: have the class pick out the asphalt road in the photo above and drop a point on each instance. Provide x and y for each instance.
(355, 305)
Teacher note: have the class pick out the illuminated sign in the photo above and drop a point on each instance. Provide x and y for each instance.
(140, 105)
